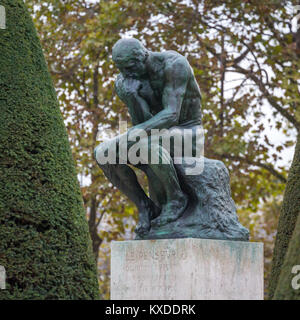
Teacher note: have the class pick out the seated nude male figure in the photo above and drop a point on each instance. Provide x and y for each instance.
(160, 91)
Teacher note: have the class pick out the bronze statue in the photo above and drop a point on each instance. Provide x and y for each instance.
(161, 92)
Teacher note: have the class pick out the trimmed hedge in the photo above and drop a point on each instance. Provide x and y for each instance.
(44, 239)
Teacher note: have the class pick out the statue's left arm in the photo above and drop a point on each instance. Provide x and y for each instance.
(177, 73)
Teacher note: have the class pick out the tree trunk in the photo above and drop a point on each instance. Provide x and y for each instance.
(93, 223)
(287, 245)
(93, 227)
(44, 240)
(285, 289)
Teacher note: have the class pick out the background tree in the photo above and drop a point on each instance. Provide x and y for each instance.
(243, 56)
(289, 255)
(44, 239)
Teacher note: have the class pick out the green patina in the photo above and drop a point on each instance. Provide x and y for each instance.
(161, 92)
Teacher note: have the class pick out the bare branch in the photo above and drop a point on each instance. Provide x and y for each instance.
(259, 164)
(268, 96)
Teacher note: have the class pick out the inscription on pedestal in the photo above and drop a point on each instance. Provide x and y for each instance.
(186, 269)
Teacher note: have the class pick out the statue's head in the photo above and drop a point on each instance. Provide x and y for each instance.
(130, 56)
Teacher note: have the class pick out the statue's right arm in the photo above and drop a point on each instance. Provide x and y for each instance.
(138, 108)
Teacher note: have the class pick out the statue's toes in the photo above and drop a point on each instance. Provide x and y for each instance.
(142, 228)
(155, 222)
(161, 221)
(171, 212)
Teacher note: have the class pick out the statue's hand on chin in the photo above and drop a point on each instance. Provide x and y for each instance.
(131, 86)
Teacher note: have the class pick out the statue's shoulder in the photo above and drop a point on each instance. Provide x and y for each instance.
(172, 57)
(174, 61)
(172, 54)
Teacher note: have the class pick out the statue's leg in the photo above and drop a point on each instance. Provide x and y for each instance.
(164, 178)
(176, 201)
(124, 178)
(156, 192)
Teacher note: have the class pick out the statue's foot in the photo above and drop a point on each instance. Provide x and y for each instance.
(171, 211)
(142, 228)
(145, 215)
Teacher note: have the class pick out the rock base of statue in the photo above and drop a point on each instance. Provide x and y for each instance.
(211, 212)
(186, 269)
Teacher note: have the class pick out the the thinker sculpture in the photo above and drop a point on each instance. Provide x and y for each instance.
(161, 92)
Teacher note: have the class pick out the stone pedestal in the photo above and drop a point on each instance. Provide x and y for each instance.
(187, 269)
